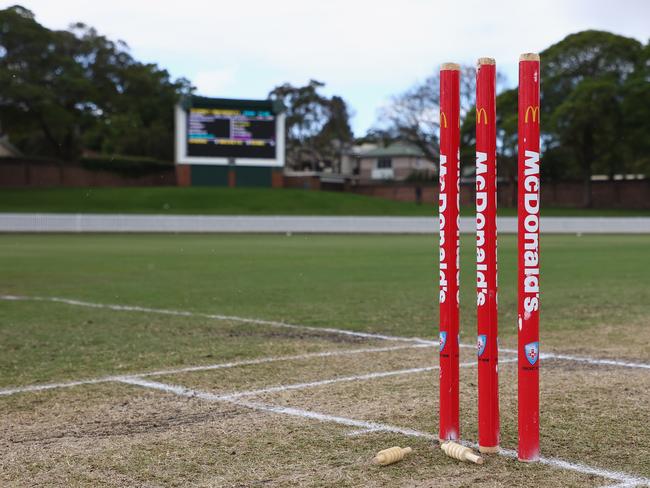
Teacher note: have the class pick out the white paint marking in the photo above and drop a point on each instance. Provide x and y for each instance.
(232, 318)
(234, 364)
(129, 308)
(621, 477)
(51, 386)
(624, 479)
(594, 361)
(358, 432)
(344, 379)
(204, 395)
(250, 362)
(621, 485)
(368, 335)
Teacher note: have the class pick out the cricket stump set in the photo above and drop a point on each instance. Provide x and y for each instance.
(486, 255)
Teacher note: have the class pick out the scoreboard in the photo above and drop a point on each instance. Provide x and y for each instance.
(225, 131)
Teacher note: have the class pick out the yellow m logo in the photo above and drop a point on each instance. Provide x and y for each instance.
(443, 120)
(479, 112)
(534, 112)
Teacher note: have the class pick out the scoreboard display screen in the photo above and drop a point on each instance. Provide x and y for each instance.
(231, 132)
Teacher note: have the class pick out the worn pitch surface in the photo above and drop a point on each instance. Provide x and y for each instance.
(279, 406)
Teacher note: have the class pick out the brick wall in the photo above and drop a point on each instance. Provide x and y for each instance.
(630, 194)
(302, 182)
(45, 173)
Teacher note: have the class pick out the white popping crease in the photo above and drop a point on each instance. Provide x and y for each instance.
(624, 478)
(416, 342)
(330, 330)
(207, 367)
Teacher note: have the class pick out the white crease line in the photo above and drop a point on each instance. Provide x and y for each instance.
(342, 379)
(297, 357)
(359, 432)
(599, 362)
(622, 477)
(345, 379)
(367, 335)
(204, 395)
(234, 364)
(232, 318)
(621, 485)
(625, 478)
(51, 386)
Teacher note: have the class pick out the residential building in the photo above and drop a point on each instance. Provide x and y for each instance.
(395, 162)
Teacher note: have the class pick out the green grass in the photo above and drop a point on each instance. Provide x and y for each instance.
(374, 283)
(240, 201)
(595, 301)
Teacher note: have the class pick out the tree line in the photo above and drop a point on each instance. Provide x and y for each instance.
(62, 92)
(66, 92)
(595, 111)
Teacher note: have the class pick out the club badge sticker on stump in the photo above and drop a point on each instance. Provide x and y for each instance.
(480, 344)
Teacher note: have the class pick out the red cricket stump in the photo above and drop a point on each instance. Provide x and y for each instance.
(486, 256)
(528, 273)
(449, 244)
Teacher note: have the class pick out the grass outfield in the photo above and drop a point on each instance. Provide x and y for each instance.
(595, 302)
(384, 284)
(238, 201)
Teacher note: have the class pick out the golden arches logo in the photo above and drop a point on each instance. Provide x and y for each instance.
(534, 112)
(443, 119)
(479, 112)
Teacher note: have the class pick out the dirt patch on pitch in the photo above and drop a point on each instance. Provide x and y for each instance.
(90, 435)
(313, 369)
(593, 415)
(627, 342)
(118, 435)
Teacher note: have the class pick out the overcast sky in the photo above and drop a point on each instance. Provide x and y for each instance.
(364, 50)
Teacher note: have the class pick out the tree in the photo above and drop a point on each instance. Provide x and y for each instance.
(42, 89)
(336, 133)
(595, 101)
(65, 91)
(636, 120)
(589, 122)
(506, 125)
(584, 77)
(318, 128)
(414, 116)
